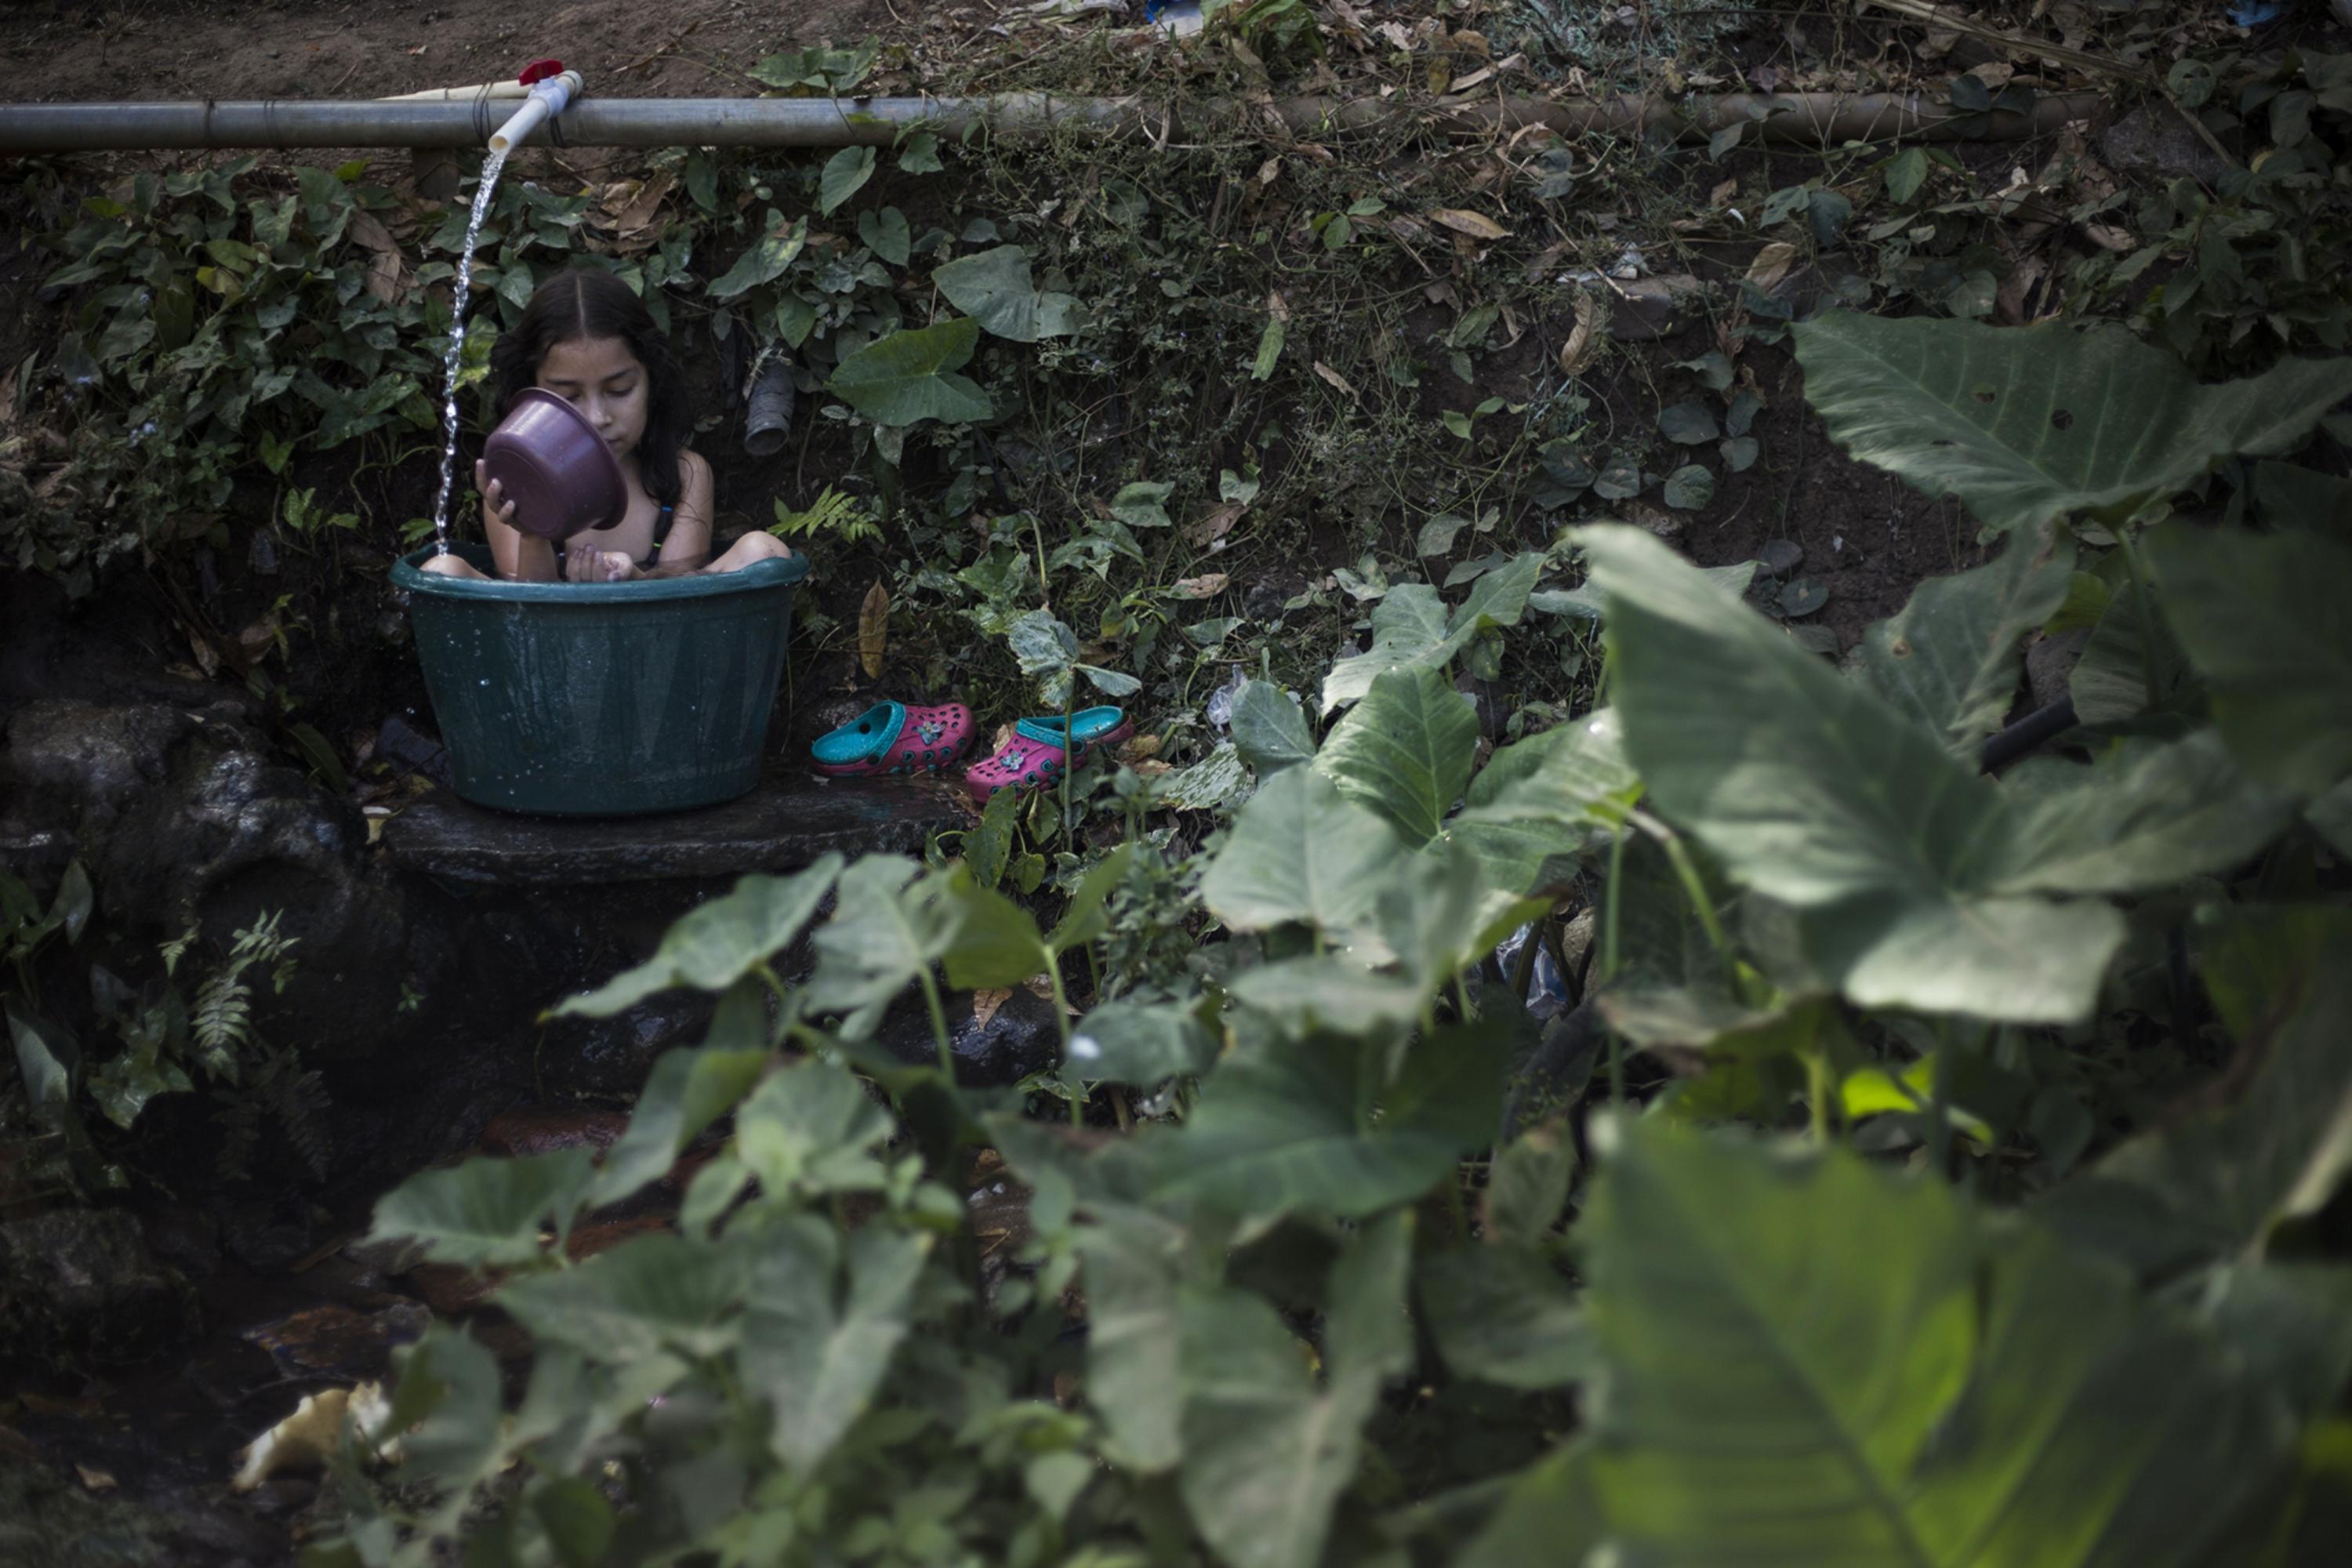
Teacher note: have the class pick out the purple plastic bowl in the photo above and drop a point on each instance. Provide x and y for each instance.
(548, 460)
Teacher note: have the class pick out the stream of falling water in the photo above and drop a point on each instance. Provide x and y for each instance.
(491, 164)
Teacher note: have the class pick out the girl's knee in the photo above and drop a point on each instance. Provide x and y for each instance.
(449, 566)
(751, 547)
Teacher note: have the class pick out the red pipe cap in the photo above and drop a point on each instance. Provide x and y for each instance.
(539, 70)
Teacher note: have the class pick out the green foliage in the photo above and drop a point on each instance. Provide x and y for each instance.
(1963, 1390)
(908, 377)
(2027, 425)
(992, 287)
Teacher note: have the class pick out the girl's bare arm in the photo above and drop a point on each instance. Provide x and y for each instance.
(521, 557)
(687, 548)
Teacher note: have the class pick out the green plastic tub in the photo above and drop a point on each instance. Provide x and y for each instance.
(601, 699)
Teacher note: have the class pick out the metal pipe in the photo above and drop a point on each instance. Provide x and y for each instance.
(878, 122)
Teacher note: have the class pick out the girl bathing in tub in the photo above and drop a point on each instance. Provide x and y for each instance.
(587, 339)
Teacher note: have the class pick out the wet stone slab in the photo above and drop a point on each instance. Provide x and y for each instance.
(790, 820)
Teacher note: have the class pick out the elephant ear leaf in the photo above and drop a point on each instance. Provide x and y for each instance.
(2028, 424)
(1907, 1381)
(909, 377)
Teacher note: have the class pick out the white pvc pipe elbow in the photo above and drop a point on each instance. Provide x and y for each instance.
(547, 98)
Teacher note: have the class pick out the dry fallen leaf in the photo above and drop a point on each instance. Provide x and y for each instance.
(1477, 226)
(1771, 264)
(94, 1479)
(304, 1439)
(2108, 236)
(1216, 525)
(1583, 340)
(1721, 196)
(1139, 748)
(1476, 79)
(873, 630)
(984, 1003)
(641, 207)
(1336, 379)
(1207, 585)
(384, 272)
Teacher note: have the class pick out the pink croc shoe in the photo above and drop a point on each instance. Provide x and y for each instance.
(892, 737)
(1038, 750)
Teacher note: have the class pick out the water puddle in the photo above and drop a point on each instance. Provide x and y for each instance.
(491, 164)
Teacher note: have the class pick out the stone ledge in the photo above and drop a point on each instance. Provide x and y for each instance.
(791, 819)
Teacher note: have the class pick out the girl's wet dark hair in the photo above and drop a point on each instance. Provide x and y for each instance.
(588, 302)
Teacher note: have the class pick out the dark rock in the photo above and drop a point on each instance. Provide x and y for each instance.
(399, 746)
(82, 1281)
(601, 1235)
(449, 1289)
(613, 1056)
(45, 1518)
(183, 819)
(266, 1230)
(790, 820)
(186, 1238)
(2159, 142)
(1019, 1038)
(339, 1341)
(545, 1129)
(1650, 308)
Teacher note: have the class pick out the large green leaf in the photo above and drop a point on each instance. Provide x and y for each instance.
(1140, 1044)
(2028, 424)
(883, 935)
(2130, 646)
(1809, 1359)
(2212, 1183)
(1412, 627)
(846, 173)
(1266, 1454)
(686, 1093)
(994, 289)
(1132, 1329)
(1306, 1125)
(1812, 791)
(1409, 627)
(1269, 729)
(1300, 852)
(1535, 805)
(485, 1212)
(816, 1350)
(2145, 815)
(908, 377)
(2263, 620)
(766, 259)
(1948, 658)
(808, 1129)
(447, 1408)
(648, 1294)
(1549, 1513)
(1405, 751)
(1504, 1314)
(717, 944)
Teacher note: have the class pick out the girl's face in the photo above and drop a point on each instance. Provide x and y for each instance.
(604, 380)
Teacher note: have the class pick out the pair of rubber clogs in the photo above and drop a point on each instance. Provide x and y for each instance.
(892, 737)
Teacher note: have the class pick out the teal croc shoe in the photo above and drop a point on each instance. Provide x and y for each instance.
(892, 737)
(1039, 751)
